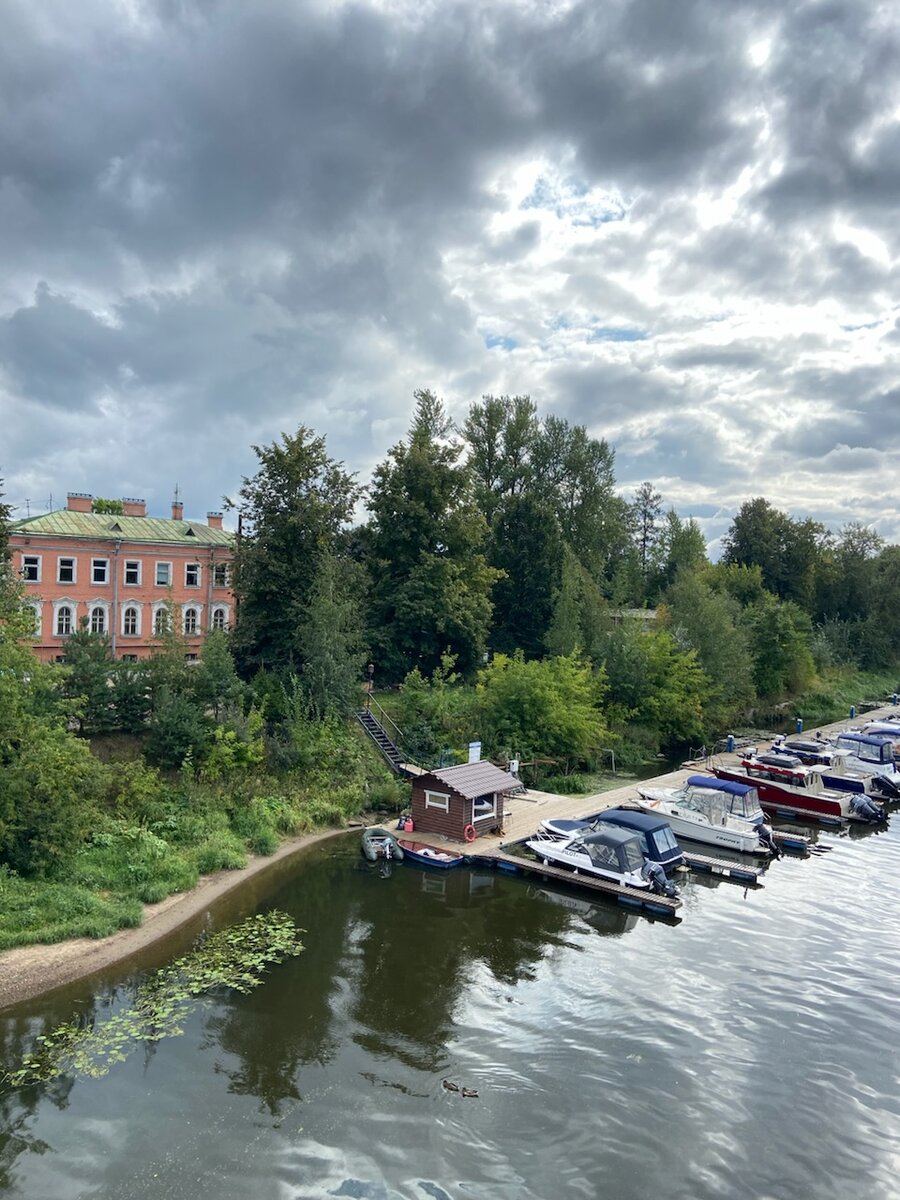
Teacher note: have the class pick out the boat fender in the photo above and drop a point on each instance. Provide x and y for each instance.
(469, 833)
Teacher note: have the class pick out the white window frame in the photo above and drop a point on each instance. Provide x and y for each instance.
(132, 562)
(93, 606)
(193, 566)
(130, 606)
(196, 609)
(438, 800)
(168, 566)
(225, 569)
(161, 606)
(486, 815)
(66, 558)
(58, 606)
(224, 611)
(100, 562)
(36, 560)
(38, 609)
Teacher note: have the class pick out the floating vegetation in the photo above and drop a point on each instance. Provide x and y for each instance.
(233, 958)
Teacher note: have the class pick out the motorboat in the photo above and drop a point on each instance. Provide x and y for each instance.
(785, 786)
(605, 852)
(380, 844)
(852, 762)
(715, 811)
(658, 842)
(429, 856)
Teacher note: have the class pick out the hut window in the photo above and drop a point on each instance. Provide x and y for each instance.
(484, 806)
(437, 800)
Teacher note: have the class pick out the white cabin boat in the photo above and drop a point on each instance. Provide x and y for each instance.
(718, 812)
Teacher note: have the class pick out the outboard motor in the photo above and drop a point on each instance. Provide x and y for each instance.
(862, 806)
(764, 833)
(659, 884)
(887, 786)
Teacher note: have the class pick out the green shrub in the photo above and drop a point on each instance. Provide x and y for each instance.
(222, 852)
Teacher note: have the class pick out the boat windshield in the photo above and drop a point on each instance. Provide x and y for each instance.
(603, 855)
(871, 752)
(747, 805)
(713, 804)
(664, 840)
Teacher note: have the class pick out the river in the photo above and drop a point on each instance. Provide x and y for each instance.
(748, 1050)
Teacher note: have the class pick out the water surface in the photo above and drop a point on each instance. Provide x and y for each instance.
(747, 1051)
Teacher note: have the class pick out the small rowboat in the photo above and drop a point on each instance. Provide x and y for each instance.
(429, 856)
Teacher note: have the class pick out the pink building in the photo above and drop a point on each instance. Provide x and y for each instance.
(123, 574)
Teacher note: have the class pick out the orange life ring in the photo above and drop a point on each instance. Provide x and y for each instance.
(469, 833)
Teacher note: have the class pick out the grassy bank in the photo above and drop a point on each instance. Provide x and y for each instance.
(157, 835)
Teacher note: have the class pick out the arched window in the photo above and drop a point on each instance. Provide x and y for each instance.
(218, 618)
(190, 620)
(63, 621)
(98, 620)
(129, 622)
(161, 621)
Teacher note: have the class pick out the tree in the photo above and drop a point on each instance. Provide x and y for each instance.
(215, 682)
(526, 547)
(780, 634)
(431, 582)
(645, 512)
(292, 513)
(548, 708)
(88, 673)
(787, 551)
(580, 613)
(330, 639)
(501, 433)
(680, 546)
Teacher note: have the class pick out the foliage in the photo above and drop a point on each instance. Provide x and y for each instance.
(292, 512)
(236, 958)
(526, 548)
(214, 681)
(87, 677)
(40, 911)
(177, 731)
(780, 635)
(114, 508)
(548, 708)
(330, 638)
(436, 714)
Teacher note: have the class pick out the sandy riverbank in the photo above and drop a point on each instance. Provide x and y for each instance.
(31, 970)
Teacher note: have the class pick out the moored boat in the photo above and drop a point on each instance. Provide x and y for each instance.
(380, 844)
(851, 762)
(429, 856)
(785, 786)
(605, 852)
(714, 811)
(658, 842)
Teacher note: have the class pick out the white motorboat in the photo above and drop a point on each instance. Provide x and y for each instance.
(606, 852)
(718, 812)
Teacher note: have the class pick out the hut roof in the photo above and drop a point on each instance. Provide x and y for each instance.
(476, 779)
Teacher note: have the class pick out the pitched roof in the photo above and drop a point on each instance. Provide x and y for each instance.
(476, 779)
(111, 526)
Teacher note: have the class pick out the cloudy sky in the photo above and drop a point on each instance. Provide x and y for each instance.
(673, 221)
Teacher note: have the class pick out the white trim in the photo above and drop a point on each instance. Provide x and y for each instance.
(199, 569)
(226, 616)
(101, 604)
(38, 609)
(485, 816)
(438, 800)
(104, 582)
(36, 558)
(159, 606)
(161, 562)
(140, 570)
(127, 606)
(186, 607)
(60, 559)
(72, 605)
(224, 567)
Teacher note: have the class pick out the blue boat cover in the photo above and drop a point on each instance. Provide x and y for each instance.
(628, 817)
(721, 785)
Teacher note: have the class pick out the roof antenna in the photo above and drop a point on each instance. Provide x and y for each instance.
(27, 507)
(177, 494)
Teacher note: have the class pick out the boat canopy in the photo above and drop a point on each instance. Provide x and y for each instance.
(716, 797)
(661, 843)
(721, 785)
(614, 848)
(868, 747)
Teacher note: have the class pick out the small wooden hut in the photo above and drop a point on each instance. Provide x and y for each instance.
(461, 802)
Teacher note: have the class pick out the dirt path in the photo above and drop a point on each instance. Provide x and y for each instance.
(31, 970)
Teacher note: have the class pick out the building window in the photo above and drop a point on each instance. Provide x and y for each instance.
(219, 619)
(191, 575)
(190, 620)
(132, 658)
(192, 658)
(132, 572)
(437, 800)
(484, 807)
(163, 574)
(220, 575)
(99, 570)
(161, 621)
(36, 609)
(31, 568)
(130, 622)
(63, 621)
(98, 619)
(65, 570)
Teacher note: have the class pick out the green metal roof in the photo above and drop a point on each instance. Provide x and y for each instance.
(108, 526)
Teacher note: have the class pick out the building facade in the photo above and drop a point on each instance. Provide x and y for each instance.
(125, 575)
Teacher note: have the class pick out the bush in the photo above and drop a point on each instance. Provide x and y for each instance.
(222, 852)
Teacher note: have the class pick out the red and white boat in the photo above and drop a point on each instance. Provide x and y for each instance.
(787, 788)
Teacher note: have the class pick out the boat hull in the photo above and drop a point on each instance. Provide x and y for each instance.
(379, 844)
(775, 797)
(559, 855)
(429, 856)
(695, 829)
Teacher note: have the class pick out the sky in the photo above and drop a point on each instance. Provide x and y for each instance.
(671, 221)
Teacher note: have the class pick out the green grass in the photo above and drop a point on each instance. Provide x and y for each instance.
(33, 911)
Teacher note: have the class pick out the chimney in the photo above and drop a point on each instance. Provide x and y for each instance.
(134, 508)
(177, 510)
(79, 501)
(214, 520)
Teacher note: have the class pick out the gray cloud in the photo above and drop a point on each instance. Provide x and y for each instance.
(675, 224)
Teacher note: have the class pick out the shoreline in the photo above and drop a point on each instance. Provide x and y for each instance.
(30, 971)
